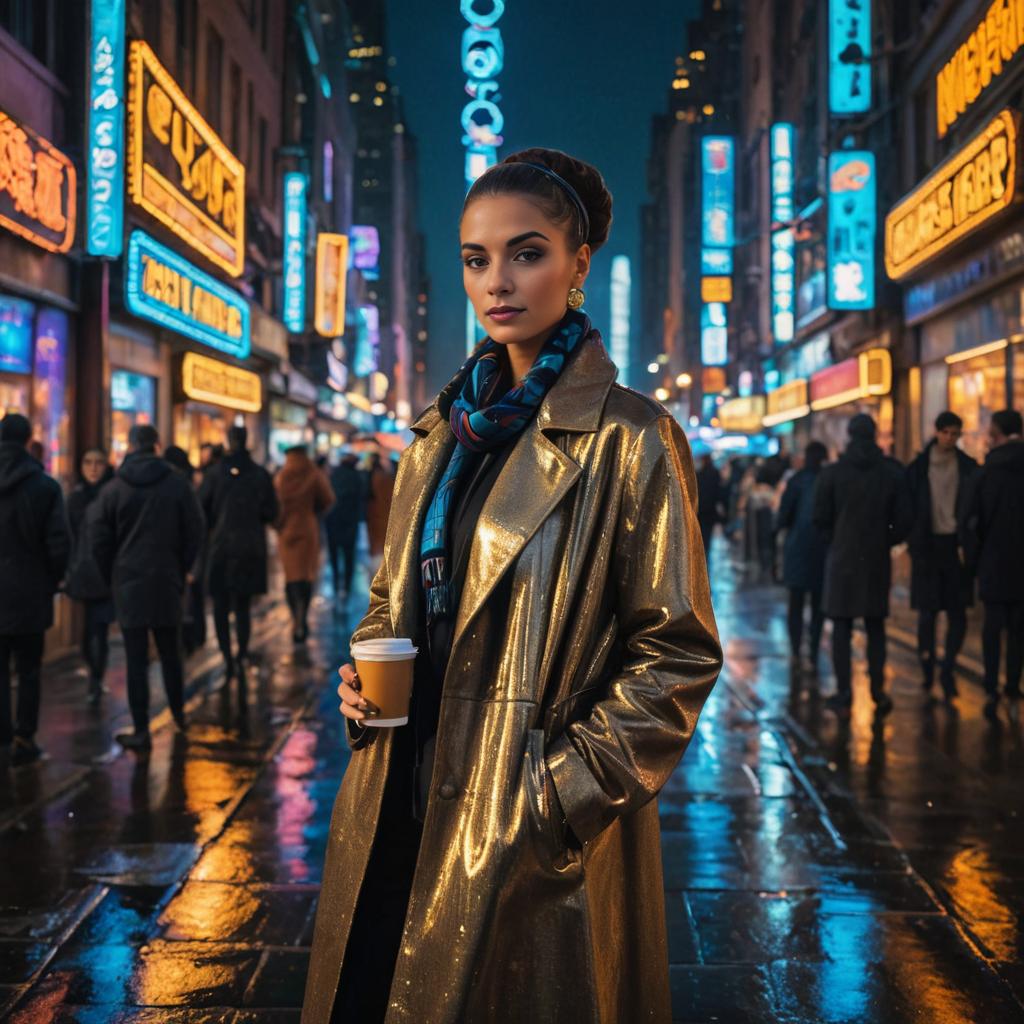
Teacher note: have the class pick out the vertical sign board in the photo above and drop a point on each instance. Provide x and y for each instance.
(783, 244)
(849, 56)
(851, 230)
(295, 186)
(714, 336)
(105, 130)
(717, 184)
(331, 267)
(621, 289)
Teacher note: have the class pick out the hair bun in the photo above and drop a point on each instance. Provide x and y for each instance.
(585, 178)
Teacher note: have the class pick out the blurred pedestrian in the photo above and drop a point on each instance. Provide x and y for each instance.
(761, 522)
(303, 495)
(349, 510)
(861, 505)
(994, 538)
(378, 508)
(193, 618)
(803, 554)
(938, 481)
(85, 582)
(34, 548)
(709, 501)
(145, 536)
(239, 501)
(37, 451)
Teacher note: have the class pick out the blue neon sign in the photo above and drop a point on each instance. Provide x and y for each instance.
(783, 243)
(851, 230)
(295, 185)
(782, 147)
(714, 334)
(715, 262)
(105, 131)
(849, 53)
(717, 190)
(165, 288)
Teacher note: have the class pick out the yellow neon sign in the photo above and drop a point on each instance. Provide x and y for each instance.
(965, 192)
(716, 289)
(870, 371)
(742, 415)
(785, 403)
(331, 268)
(179, 170)
(209, 380)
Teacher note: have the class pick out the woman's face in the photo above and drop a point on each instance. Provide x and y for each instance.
(94, 465)
(518, 268)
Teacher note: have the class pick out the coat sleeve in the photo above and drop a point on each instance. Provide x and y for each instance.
(58, 538)
(616, 760)
(323, 495)
(786, 515)
(268, 503)
(825, 503)
(902, 521)
(193, 527)
(100, 530)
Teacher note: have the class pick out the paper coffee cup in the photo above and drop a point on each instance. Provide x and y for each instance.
(385, 669)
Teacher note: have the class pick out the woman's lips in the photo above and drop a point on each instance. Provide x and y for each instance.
(505, 315)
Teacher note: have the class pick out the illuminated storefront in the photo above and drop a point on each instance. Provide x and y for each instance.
(862, 383)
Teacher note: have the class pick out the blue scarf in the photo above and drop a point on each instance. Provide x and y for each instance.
(480, 424)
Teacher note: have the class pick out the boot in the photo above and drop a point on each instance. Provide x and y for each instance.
(96, 690)
(139, 741)
(928, 672)
(948, 680)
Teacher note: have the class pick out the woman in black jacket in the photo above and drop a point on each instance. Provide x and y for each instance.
(85, 583)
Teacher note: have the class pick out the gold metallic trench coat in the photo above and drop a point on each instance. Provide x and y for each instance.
(587, 668)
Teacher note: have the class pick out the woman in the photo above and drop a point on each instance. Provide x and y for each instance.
(85, 583)
(378, 508)
(544, 553)
(803, 554)
(303, 495)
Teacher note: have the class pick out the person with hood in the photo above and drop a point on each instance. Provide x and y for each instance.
(348, 511)
(938, 481)
(862, 507)
(803, 553)
(145, 535)
(303, 495)
(34, 548)
(85, 584)
(239, 502)
(994, 540)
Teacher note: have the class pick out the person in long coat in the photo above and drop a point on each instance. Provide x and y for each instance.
(239, 502)
(709, 503)
(803, 554)
(349, 485)
(381, 486)
(499, 858)
(938, 481)
(303, 495)
(862, 506)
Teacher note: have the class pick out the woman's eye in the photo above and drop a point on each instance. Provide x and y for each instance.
(474, 262)
(529, 255)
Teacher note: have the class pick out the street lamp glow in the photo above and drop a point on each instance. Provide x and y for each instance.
(684, 380)
(652, 367)
(661, 394)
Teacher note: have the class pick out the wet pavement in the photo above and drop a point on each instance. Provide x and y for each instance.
(815, 870)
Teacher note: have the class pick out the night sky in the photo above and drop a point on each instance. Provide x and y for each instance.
(584, 76)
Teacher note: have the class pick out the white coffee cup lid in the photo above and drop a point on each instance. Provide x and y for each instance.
(385, 648)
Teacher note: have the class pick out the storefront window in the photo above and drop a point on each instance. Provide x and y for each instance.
(51, 416)
(977, 388)
(289, 426)
(15, 335)
(132, 400)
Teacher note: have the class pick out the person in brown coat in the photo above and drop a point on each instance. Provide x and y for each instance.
(378, 508)
(303, 495)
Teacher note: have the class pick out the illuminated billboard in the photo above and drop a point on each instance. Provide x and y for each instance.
(851, 230)
(849, 53)
(179, 170)
(105, 130)
(715, 261)
(783, 244)
(365, 242)
(164, 287)
(365, 359)
(717, 190)
(331, 267)
(295, 187)
(714, 334)
(621, 288)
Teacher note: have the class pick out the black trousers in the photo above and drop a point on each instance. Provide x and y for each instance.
(795, 620)
(95, 639)
(223, 605)
(956, 630)
(842, 633)
(345, 547)
(1000, 618)
(299, 594)
(136, 652)
(27, 652)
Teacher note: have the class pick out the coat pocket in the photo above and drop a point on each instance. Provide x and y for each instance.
(539, 789)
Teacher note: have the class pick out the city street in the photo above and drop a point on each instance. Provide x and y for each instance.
(815, 871)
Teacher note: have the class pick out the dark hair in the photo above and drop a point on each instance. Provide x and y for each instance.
(814, 455)
(95, 448)
(238, 436)
(1008, 422)
(948, 419)
(861, 426)
(15, 427)
(515, 176)
(178, 458)
(143, 437)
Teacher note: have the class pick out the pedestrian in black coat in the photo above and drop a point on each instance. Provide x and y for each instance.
(34, 547)
(861, 505)
(85, 582)
(709, 501)
(145, 536)
(239, 501)
(993, 534)
(937, 483)
(350, 488)
(803, 553)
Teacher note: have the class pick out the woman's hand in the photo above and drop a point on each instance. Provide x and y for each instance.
(353, 704)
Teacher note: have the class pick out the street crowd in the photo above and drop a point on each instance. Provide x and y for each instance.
(144, 545)
(962, 524)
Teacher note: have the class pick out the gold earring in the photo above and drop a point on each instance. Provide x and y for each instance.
(575, 299)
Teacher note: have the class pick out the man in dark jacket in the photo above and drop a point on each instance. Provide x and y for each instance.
(861, 505)
(709, 501)
(34, 548)
(145, 535)
(994, 539)
(343, 519)
(239, 501)
(937, 482)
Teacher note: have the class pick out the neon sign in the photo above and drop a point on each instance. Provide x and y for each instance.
(714, 334)
(37, 188)
(851, 230)
(849, 53)
(621, 285)
(105, 131)
(179, 170)
(210, 380)
(367, 340)
(331, 267)
(366, 250)
(162, 286)
(483, 58)
(715, 261)
(295, 185)
(717, 181)
(783, 244)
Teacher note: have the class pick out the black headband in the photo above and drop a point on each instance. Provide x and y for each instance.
(573, 195)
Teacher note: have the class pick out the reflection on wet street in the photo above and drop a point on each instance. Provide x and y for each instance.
(815, 870)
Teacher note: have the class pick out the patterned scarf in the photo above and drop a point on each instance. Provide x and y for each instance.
(481, 422)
